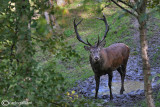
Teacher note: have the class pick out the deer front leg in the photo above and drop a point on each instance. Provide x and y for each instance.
(110, 84)
(97, 79)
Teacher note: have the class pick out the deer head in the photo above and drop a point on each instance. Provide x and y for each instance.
(94, 49)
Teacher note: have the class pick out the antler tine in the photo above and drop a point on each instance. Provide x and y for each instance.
(88, 43)
(77, 34)
(107, 27)
(98, 41)
(79, 22)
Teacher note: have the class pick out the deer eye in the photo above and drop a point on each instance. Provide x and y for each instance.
(97, 50)
(92, 51)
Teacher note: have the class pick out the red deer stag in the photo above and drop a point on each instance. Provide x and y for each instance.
(106, 60)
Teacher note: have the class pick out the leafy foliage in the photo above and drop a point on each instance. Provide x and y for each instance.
(153, 3)
(23, 33)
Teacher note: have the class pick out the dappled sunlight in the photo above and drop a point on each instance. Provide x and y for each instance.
(86, 15)
(110, 11)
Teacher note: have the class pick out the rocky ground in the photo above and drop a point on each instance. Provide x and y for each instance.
(134, 75)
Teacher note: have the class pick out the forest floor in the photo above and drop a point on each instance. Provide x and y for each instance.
(123, 28)
(134, 91)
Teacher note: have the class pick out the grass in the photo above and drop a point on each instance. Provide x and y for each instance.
(156, 55)
(134, 53)
(153, 26)
(90, 28)
(155, 21)
(68, 33)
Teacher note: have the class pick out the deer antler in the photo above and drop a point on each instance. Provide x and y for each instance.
(78, 36)
(106, 31)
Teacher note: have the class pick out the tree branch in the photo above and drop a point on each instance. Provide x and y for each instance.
(124, 8)
(131, 6)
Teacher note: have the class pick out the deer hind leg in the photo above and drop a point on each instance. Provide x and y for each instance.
(122, 73)
(110, 84)
(97, 79)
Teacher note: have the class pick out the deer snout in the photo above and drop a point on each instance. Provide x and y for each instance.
(96, 58)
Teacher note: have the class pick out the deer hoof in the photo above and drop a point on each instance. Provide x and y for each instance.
(121, 91)
(111, 98)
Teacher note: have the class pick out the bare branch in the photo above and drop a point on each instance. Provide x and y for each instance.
(124, 8)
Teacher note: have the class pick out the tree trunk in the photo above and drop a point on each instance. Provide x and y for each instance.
(50, 18)
(142, 19)
(146, 67)
(54, 23)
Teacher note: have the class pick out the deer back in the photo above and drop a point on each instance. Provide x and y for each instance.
(114, 56)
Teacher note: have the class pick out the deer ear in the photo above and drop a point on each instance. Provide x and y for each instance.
(103, 43)
(86, 48)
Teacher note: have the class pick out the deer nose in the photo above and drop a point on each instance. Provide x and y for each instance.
(96, 58)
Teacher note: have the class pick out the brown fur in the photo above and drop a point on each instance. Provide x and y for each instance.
(114, 57)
